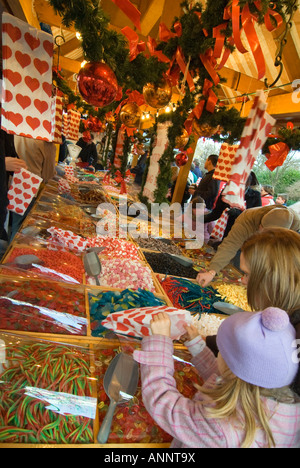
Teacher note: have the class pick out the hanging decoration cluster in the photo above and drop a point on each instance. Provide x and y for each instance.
(189, 55)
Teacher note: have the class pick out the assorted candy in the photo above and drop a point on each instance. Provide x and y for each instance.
(105, 303)
(37, 382)
(132, 423)
(123, 273)
(185, 294)
(50, 391)
(164, 264)
(43, 307)
(63, 266)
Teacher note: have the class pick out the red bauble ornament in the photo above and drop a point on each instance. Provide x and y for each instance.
(97, 84)
(181, 159)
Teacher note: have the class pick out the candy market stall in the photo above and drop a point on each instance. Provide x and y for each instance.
(60, 330)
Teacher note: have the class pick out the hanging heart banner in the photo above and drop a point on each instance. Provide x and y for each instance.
(256, 131)
(225, 161)
(23, 189)
(27, 79)
(72, 125)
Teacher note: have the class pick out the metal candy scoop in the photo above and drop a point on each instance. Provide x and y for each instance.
(228, 309)
(92, 265)
(120, 384)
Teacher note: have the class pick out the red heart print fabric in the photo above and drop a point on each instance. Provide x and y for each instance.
(136, 322)
(23, 189)
(27, 80)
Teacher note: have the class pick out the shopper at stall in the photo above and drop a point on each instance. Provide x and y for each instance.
(247, 224)
(9, 163)
(39, 155)
(88, 154)
(245, 401)
(252, 199)
(208, 188)
(40, 158)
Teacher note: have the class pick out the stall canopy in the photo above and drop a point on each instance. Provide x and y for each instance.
(240, 70)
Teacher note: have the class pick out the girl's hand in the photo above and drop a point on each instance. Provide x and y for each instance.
(191, 333)
(161, 324)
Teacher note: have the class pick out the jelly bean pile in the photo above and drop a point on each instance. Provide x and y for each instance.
(164, 264)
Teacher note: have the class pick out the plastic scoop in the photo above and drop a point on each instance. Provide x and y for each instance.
(228, 309)
(92, 265)
(27, 260)
(120, 384)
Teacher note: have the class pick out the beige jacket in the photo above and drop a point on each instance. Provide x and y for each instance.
(39, 156)
(244, 227)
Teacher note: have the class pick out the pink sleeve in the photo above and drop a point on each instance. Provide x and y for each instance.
(181, 417)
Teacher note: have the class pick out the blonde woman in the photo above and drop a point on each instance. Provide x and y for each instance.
(249, 397)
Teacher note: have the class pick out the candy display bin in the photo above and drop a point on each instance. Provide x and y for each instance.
(52, 394)
(38, 307)
(53, 264)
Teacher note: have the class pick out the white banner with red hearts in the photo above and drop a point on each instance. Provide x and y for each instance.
(27, 79)
(225, 161)
(257, 128)
(23, 189)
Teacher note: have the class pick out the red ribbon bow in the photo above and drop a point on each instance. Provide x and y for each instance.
(130, 11)
(120, 180)
(277, 156)
(135, 45)
(197, 111)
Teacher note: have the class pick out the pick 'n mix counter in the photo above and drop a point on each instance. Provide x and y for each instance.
(62, 321)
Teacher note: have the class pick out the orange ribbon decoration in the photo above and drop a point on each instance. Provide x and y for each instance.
(135, 45)
(277, 156)
(133, 96)
(130, 11)
(157, 53)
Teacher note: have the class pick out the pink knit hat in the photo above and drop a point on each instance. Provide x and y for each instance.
(258, 347)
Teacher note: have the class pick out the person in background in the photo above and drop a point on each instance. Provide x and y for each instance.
(40, 158)
(9, 163)
(192, 175)
(208, 188)
(267, 195)
(247, 224)
(88, 154)
(197, 169)
(140, 168)
(39, 155)
(252, 199)
(245, 401)
(282, 199)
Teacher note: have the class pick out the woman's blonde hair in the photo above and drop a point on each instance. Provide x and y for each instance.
(273, 258)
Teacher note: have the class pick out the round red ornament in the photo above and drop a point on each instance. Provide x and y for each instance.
(181, 159)
(97, 84)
